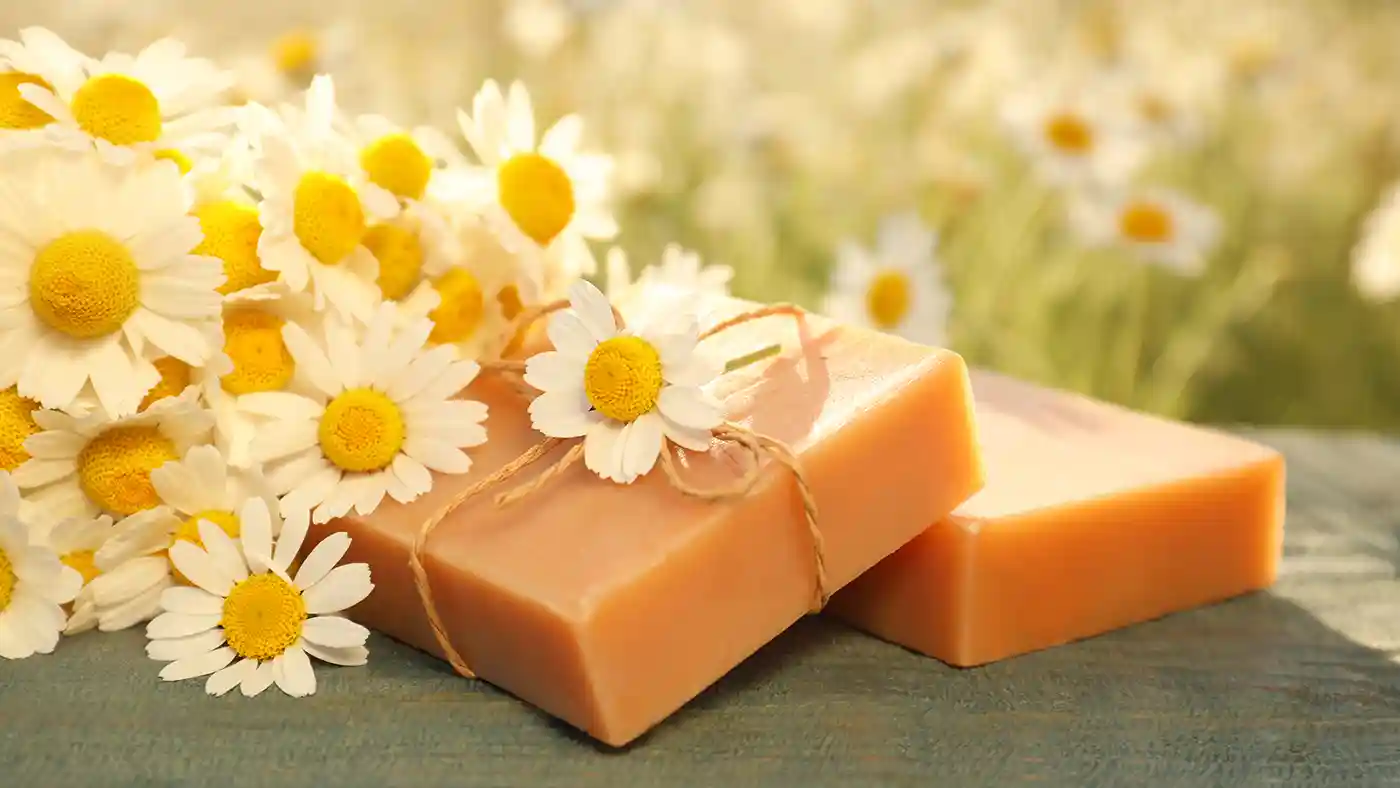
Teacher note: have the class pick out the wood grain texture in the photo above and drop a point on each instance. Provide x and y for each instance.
(1297, 687)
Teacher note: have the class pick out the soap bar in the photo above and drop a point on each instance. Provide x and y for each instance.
(1093, 518)
(610, 606)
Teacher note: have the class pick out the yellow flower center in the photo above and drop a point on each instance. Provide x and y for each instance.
(181, 160)
(262, 617)
(1146, 222)
(114, 469)
(85, 284)
(1069, 133)
(117, 108)
(16, 424)
(460, 308)
(362, 430)
(327, 217)
(7, 580)
(888, 299)
(188, 531)
(231, 233)
(623, 378)
(84, 563)
(295, 53)
(174, 378)
(15, 111)
(537, 194)
(261, 361)
(509, 299)
(400, 256)
(396, 163)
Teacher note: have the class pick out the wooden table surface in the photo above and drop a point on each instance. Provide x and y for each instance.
(1298, 686)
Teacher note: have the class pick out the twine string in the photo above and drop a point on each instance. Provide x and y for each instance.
(755, 445)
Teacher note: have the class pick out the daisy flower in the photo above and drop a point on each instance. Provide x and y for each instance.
(34, 585)
(624, 392)
(228, 215)
(896, 287)
(129, 106)
(1161, 226)
(678, 282)
(384, 415)
(1073, 138)
(99, 275)
(76, 543)
(135, 565)
(248, 622)
(317, 206)
(1375, 262)
(544, 200)
(38, 58)
(91, 465)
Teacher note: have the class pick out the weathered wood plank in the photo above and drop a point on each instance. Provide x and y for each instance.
(1294, 687)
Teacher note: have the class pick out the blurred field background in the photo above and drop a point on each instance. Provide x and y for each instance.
(763, 133)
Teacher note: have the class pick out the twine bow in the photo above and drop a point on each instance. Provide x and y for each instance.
(756, 446)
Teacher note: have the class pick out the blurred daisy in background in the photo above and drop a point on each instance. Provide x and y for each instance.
(38, 58)
(679, 283)
(624, 391)
(1160, 226)
(1073, 137)
(34, 585)
(895, 287)
(317, 207)
(249, 621)
(91, 465)
(546, 201)
(100, 273)
(134, 563)
(1375, 262)
(158, 100)
(384, 415)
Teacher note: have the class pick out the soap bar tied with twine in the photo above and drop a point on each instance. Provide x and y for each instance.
(754, 445)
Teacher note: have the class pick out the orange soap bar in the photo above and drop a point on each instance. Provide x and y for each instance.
(1094, 517)
(611, 606)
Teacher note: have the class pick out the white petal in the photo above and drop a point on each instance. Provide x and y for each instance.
(255, 531)
(190, 601)
(569, 335)
(334, 632)
(293, 674)
(289, 542)
(351, 657)
(196, 565)
(171, 649)
(228, 678)
(602, 453)
(641, 444)
(563, 414)
(178, 625)
(15, 640)
(201, 665)
(437, 456)
(593, 310)
(555, 371)
(344, 587)
(322, 559)
(311, 362)
(259, 680)
(222, 551)
(690, 407)
(142, 607)
(687, 438)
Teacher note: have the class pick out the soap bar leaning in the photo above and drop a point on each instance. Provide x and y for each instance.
(611, 606)
(1093, 518)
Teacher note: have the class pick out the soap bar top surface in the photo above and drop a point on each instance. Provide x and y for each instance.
(1049, 447)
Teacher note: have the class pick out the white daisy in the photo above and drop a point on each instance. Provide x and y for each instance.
(99, 275)
(384, 415)
(623, 391)
(38, 58)
(34, 585)
(91, 465)
(1161, 226)
(1072, 137)
(134, 563)
(317, 206)
(896, 287)
(679, 283)
(249, 622)
(544, 200)
(131, 106)
(1375, 262)
(76, 543)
